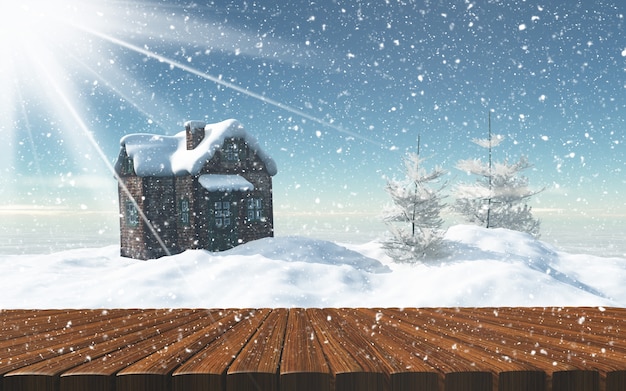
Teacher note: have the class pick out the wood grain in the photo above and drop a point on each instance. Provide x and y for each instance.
(330, 349)
(303, 365)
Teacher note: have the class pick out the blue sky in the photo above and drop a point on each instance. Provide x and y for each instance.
(336, 92)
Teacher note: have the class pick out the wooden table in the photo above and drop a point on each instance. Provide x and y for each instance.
(450, 349)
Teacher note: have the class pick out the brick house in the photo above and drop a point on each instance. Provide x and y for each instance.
(207, 187)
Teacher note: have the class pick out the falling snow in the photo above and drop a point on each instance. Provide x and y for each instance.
(338, 92)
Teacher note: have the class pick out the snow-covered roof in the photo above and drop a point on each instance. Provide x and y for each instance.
(218, 182)
(155, 155)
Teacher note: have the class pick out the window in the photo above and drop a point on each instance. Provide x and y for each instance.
(231, 151)
(255, 209)
(223, 214)
(184, 212)
(128, 167)
(132, 215)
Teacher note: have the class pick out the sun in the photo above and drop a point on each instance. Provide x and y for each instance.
(31, 23)
(15, 18)
(40, 41)
(39, 33)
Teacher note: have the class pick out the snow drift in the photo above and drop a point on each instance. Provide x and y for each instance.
(476, 267)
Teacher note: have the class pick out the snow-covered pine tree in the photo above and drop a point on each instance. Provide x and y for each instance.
(498, 198)
(414, 220)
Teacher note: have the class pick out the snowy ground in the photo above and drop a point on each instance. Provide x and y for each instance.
(479, 267)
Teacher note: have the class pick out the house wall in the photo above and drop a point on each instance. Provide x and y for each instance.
(210, 238)
(156, 198)
(188, 222)
(263, 189)
(202, 216)
(132, 237)
(251, 167)
(160, 209)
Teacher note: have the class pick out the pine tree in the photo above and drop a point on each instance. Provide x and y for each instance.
(414, 220)
(498, 198)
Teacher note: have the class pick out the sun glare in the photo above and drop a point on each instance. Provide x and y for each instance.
(28, 22)
(38, 41)
(15, 18)
(58, 54)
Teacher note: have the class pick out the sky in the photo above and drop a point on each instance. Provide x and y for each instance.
(336, 92)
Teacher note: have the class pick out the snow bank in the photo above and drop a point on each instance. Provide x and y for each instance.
(477, 267)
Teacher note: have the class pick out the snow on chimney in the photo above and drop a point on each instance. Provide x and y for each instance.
(195, 133)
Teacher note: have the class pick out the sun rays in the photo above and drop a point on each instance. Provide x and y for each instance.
(55, 53)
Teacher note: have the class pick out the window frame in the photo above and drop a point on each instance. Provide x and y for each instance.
(254, 209)
(234, 150)
(131, 214)
(223, 214)
(128, 166)
(184, 213)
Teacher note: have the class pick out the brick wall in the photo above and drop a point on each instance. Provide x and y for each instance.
(160, 209)
(263, 190)
(187, 232)
(132, 237)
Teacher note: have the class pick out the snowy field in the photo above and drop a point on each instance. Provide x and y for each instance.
(477, 267)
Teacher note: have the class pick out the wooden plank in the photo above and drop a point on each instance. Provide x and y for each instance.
(31, 319)
(616, 381)
(468, 381)
(522, 381)
(514, 365)
(256, 366)
(55, 333)
(148, 356)
(511, 349)
(580, 325)
(580, 380)
(351, 362)
(157, 368)
(407, 371)
(45, 375)
(573, 337)
(34, 329)
(446, 346)
(303, 365)
(206, 370)
(21, 322)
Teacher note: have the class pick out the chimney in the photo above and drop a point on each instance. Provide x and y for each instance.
(195, 133)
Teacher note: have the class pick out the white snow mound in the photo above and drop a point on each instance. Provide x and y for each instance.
(475, 267)
(300, 249)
